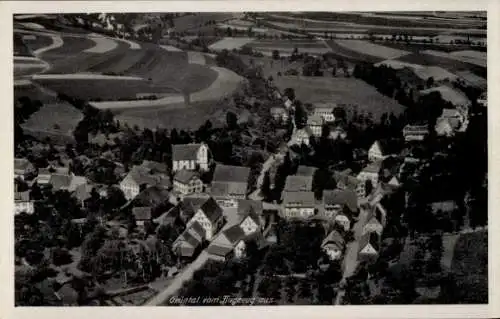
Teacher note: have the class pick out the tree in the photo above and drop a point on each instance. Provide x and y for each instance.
(430, 82)
(231, 121)
(300, 115)
(290, 93)
(266, 186)
(276, 55)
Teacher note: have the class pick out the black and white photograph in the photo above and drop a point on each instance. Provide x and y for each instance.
(250, 158)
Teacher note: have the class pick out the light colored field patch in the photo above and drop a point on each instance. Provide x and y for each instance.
(436, 72)
(471, 60)
(373, 49)
(22, 82)
(32, 25)
(230, 43)
(449, 94)
(57, 42)
(102, 44)
(268, 51)
(32, 16)
(29, 37)
(170, 48)
(196, 58)
(133, 45)
(471, 54)
(22, 59)
(85, 76)
(398, 65)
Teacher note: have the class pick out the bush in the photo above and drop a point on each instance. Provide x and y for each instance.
(61, 257)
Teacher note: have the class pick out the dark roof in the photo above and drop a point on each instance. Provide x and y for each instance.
(302, 198)
(370, 238)
(234, 234)
(198, 229)
(211, 209)
(298, 183)
(334, 237)
(247, 205)
(22, 196)
(217, 250)
(252, 213)
(222, 189)
(373, 167)
(190, 205)
(142, 176)
(190, 239)
(341, 197)
(59, 181)
(183, 152)
(142, 213)
(186, 251)
(229, 173)
(185, 176)
(306, 170)
(155, 166)
(152, 196)
(82, 192)
(387, 146)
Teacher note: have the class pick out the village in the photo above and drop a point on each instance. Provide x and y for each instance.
(288, 201)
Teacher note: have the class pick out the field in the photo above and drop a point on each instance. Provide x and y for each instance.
(33, 93)
(351, 55)
(451, 65)
(478, 58)
(348, 91)
(229, 43)
(188, 22)
(377, 50)
(470, 267)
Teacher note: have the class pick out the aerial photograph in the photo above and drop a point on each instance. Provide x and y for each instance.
(250, 158)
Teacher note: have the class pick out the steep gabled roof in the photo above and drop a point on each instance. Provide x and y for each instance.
(373, 167)
(334, 237)
(303, 198)
(234, 234)
(217, 250)
(303, 170)
(211, 209)
(185, 176)
(21, 164)
(341, 197)
(185, 152)
(59, 181)
(155, 166)
(222, 189)
(371, 238)
(142, 213)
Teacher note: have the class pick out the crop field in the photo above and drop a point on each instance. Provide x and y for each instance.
(447, 63)
(188, 22)
(58, 118)
(418, 47)
(286, 44)
(230, 43)
(103, 89)
(351, 55)
(348, 91)
(478, 58)
(71, 46)
(33, 93)
(470, 267)
(33, 42)
(373, 49)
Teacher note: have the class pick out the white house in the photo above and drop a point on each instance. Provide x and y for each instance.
(369, 246)
(325, 111)
(187, 182)
(333, 245)
(210, 217)
(315, 124)
(298, 204)
(280, 114)
(23, 203)
(190, 157)
(377, 151)
(23, 168)
(140, 177)
(369, 173)
(415, 132)
(229, 184)
(301, 136)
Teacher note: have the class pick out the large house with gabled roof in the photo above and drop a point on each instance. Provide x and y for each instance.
(369, 246)
(209, 216)
(139, 178)
(187, 182)
(229, 184)
(190, 157)
(23, 168)
(190, 241)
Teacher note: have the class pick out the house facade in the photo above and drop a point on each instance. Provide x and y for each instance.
(369, 173)
(139, 178)
(336, 201)
(298, 205)
(324, 111)
(369, 246)
(315, 124)
(280, 114)
(415, 132)
(23, 168)
(23, 203)
(230, 184)
(190, 157)
(333, 245)
(376, 152)
(301, 136)
(187, 182)
(190, 241)
(210, 217)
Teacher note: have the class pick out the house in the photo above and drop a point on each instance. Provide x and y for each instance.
(374, 221)
(280, 114)
(380, 150)
(301, 136)
(446, 127)
(60, 182)
(155, 167)
(190, 157)
(210, 217)
(303, 170)
(297, 183)
(229, 184)
(446, 207)
(139, 178)
(190, 241)
(369, 245)
(315, 124)
(449, 94)
(298, 204)
(187, 182)
(333, 245)
(83, 193)
(229, 243)
(76, 181)
(252, 220)
(337, 132)
(23, 203)
(415, 132)
(346, 181)
(288, 104)
(142, 215)
(43, 176)
(23, 168)
(369, 173)
(325, 111)
(334, 201)
(483, 99)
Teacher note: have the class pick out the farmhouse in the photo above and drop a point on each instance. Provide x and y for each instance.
(374, 222)
(142, 215)
(60, 182)
(190, 157)
(380, 150)
(337, 132)
(210, 217)
(306, 171)
(229, 243)
(333, 245)
(450, 121)
(229, 184)
(23, 168)
(334, 201)
(298, 204)
(346, 181)
(415, 132)
(23, 203)
(455, 97)
(483, 99)
(315, 124)
(187, 182)
(139, 178)
(189, 242)
(325, 111)
(301, 136)
(369, 246)
(370, 173)
(280, 114)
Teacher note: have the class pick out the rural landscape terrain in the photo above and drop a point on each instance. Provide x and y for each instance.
(250, 158)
